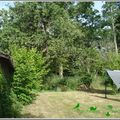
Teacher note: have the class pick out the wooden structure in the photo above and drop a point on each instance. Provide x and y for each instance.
(6, 67)
(7, 70)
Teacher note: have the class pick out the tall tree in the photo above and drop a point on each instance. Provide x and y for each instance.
(110, 12)
(46, 26)
(89, 19)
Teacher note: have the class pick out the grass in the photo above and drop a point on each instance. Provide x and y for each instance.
(61, 104)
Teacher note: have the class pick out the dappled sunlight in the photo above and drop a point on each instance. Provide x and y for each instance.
(61, 53)
(60, 105)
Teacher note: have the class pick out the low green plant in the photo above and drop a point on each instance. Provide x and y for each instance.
(77, 106)
(93, 108)
(110, 107)
(107, 114)
(52, 82)
(86, 79)
(73, 82)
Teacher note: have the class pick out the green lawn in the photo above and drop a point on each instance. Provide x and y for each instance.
(60, 105)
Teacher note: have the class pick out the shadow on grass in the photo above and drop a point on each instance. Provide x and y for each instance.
(113, 99)
(29, 115)
(98, 91)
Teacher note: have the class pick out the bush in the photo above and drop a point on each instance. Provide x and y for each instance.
(86, 79)
(52, 82)
(9, 105)
(30, 69)
(73, 82)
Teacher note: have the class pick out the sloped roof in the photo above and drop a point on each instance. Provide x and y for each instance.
(115, 76)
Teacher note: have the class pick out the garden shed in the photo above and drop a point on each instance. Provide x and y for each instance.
(7, 66)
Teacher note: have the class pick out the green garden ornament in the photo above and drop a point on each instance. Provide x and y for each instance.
(107, 114)
(93, 108)
(77, 106)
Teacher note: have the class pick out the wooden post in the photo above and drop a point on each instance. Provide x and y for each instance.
(61, 70)
(106, 77)
(105, 88)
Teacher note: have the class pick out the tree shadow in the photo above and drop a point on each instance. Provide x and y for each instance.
(98, 91)
(29, 115)
(113, 99)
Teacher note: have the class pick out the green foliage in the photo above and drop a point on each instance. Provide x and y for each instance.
(69, 36)
(93, 108)
(107, 114)
(30, 69)
(77, 106)
(110, 107)
(111, 63)
(52, 82)
(68, 83)
(0, 79)
(9, 105)
(73, 82)
(86, 79)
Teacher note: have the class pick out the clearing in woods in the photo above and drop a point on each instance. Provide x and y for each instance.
(60, 105)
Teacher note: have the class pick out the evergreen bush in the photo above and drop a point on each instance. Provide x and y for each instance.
(30, 69)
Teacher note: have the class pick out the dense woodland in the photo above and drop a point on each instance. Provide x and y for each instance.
(57, 46)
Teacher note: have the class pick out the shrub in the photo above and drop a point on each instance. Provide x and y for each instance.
(30, 69)
(86, 79)
(9, 105)
(73, 82)
(52, 82)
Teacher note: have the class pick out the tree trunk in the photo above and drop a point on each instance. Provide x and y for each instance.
(114, 36)
(88, 67)
(61, 71)
(46, 39)
(114, 33)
